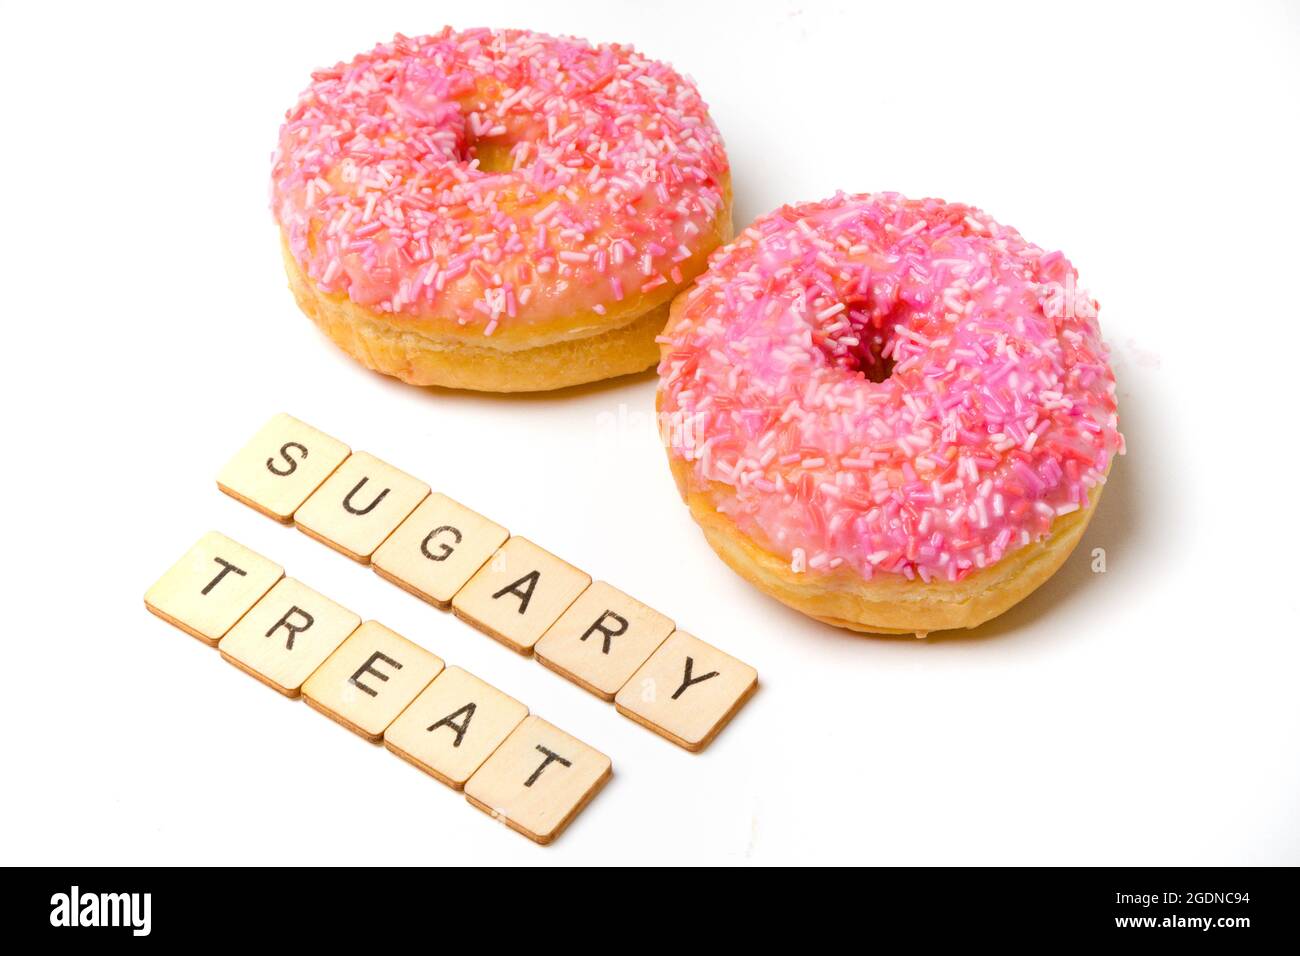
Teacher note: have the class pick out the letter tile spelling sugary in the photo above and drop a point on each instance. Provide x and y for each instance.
(359, 506)
(687, 691)
(437, 549)
(600, 641)
(519, 593)
(281, 466)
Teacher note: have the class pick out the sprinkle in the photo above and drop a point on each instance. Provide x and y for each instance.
(545, 213)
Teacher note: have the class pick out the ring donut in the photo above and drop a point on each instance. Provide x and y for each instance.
(498, 210)
(893, 415)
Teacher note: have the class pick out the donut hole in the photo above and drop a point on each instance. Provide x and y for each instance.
(863, 341)
(873, 356)
(494, 155)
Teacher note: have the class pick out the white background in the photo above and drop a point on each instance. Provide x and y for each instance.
(1145, 715)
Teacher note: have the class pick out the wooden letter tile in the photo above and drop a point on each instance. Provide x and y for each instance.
(359, 505)
(538, 780)
(210, 588)
(284, 463)
(519, 593)
(287, 635)
(437, 549)
(370, 679)
(600, 641)
(453, 726)
(687, 691)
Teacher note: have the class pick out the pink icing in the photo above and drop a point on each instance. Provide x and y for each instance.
(997, 417)
(614, 177)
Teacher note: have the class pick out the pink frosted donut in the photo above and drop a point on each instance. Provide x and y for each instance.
(500, 210)
(893, 415)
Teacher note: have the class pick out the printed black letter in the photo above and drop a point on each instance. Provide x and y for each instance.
(284, 453)
(226, 568)
(293, 629)
(347, 502)
(607, 631)
(369, 668)
(687, 680)
(444, 550)
(450, 721)
(551, 757)
(526, 594)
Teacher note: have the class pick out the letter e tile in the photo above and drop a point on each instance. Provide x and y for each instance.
(370, 679)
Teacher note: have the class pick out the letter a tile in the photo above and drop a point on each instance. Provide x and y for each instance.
(453, 726)
(538, 780)
(519, 593)
(210, 588)
(687, 691)
(359, 506)
(283, 463)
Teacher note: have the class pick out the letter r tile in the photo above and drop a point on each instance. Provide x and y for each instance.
(211, 587)
(687, 691)
(287, 635)
(600, 641)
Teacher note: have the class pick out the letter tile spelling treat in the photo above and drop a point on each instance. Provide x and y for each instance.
(211, 587)
(381, 686)
(538, 780)
(287, 635)
(370, 679)
(453, 726)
